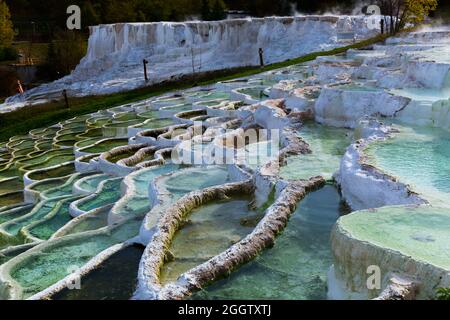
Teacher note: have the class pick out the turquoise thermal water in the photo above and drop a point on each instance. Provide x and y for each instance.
(418, 156)
(421, 233)
(38, 213)
(91, 184)
(45, 229)
(328, 145)
(296, 266)
(97, 285)
(138, 203)
(109, 194)
(49, 264)
(210, 230)
(200, 178)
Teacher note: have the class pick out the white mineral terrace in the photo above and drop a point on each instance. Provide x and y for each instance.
(245, 179)
(114, 61)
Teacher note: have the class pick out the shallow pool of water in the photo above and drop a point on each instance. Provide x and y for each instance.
(418, 232)
(208, 231)
(183, 183)
(56, 172)
(97, 285)
(155, 124)
(255, 93)
(47, 228)
(38, 213)
(106, 145)
(297, 265)
(418, 156)
(214, 95)
(109, 194)
(50, 264)
(328, 145)
(91, 184)
(11, 185)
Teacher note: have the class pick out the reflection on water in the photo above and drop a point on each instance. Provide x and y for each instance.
(115, 279)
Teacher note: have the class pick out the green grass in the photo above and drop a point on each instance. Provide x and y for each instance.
(25, 119)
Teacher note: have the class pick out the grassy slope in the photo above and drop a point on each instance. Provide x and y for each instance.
(28, 118)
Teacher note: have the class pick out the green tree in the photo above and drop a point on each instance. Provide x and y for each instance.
(400, 13)
(6, 26)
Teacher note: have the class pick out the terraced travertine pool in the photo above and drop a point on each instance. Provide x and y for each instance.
(418, 156)
(257, 93)
(108, 194)
(297, 265)
(138, 203)
(14, 213)
(43, 268)
(105, 145)
(207, 232)
(417, 232)
(45, 228)
(94, 221)
(90, 184)
(98, 285)
(38, 213)
(327, 144)
(64, 202)
(52, 172)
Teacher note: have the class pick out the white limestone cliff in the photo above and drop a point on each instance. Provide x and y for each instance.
(114, 61)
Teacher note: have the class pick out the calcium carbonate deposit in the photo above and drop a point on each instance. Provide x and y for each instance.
(234, 190)
(114, 61)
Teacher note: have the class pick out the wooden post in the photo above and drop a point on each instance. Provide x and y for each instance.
(145, 62)
(382, 26)
(261, 57)
(66, 99)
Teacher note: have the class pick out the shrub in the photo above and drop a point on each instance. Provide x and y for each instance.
(443, 294)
